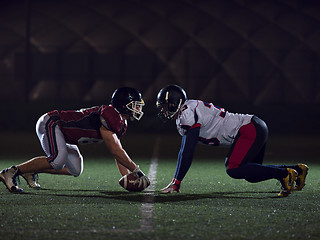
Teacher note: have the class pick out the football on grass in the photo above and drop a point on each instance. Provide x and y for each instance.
(127, 182)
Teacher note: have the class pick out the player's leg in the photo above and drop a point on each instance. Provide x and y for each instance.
(74, 164)
(8, 176)
(54, 145)
(251, 168)
(33, 178)
(26, 169)
(63, 171)
(249, 144)
(37, 164)
(245, 158)
(257, 172)
(302, 170)
(253, 172)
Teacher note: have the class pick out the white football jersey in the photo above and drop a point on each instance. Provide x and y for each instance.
(217, 126)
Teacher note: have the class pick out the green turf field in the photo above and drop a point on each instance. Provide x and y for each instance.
(211, 206)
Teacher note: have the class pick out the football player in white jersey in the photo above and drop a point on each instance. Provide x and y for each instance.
(247, 135)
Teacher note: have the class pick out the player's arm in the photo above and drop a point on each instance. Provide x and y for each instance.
(122, 159)
(188, 144)
(120, 155)
(122, 169)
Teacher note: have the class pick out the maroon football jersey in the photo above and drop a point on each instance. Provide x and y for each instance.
(82, 126)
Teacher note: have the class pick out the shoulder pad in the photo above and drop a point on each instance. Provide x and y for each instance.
(111, 119)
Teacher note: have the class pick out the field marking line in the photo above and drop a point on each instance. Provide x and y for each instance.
(146, 221)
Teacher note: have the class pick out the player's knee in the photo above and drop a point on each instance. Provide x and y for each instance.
(230, 173)
(75, 167)
(77, 173)
(234, 173)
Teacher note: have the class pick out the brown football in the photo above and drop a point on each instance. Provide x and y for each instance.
(127, 182)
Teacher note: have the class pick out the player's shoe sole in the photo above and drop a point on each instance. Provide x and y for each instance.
(301, 179)
(284, 193)
(288, 182)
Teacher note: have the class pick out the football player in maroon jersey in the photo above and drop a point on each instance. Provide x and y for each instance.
(60, 132)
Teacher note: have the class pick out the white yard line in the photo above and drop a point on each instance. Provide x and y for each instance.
(147, 206)
(146, 221)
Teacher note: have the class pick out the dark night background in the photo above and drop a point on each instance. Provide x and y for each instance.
(247, 56)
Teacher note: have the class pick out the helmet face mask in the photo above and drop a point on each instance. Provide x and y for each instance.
(167, 110)
(128, 101)
(169, 101)
(136, 108)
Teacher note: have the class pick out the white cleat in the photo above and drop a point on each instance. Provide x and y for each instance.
(32, 180)
(8, 177)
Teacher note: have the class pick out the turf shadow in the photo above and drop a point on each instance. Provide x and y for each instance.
(151, 197)
(87, 194)
(162, 198)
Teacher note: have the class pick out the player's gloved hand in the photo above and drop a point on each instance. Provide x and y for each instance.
(142, 179)
(174, 186)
